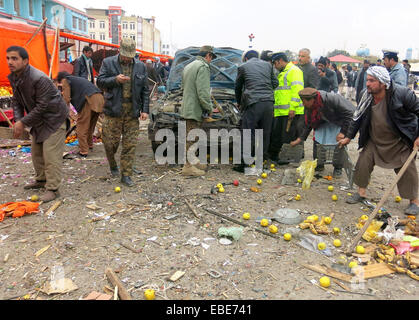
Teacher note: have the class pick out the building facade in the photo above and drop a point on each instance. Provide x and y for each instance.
(33, 12)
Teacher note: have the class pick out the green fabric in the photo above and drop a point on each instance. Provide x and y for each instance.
(196, 90)
(126, 87)
(291, 81)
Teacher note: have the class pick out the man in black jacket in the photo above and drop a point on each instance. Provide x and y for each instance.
(126, 99)
(311, 75)
(330, 74)
(387, 119)
(88, 101)
(254, 88)
(37, 104)
(322, 110)
(83, 66)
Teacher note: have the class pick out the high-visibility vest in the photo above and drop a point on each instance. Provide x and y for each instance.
(291, 81)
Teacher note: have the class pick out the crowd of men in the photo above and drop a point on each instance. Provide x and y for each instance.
(286, 100)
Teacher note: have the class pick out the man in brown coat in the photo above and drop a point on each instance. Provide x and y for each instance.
(46, 115)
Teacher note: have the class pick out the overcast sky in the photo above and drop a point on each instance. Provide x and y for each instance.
(321, 25)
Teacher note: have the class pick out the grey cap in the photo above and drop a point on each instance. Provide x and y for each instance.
(128, 48)
(208, 49)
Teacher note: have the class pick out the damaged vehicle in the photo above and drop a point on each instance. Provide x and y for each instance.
(166, 111)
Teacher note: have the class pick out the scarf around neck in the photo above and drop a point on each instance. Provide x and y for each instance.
(315, 112)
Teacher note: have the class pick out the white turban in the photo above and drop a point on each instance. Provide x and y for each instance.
(381, 74)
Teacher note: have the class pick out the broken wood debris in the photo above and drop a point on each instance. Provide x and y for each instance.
(53, 207)
(113, 278)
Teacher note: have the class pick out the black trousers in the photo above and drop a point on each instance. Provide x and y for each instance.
(337, 157)
(258, 116)
(279, 134)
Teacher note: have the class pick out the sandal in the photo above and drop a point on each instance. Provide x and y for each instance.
(355, 198)
(412, 210)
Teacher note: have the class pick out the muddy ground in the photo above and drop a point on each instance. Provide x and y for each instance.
(255, 267)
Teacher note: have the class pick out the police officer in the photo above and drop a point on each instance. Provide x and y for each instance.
(124, 80)
(396, 69)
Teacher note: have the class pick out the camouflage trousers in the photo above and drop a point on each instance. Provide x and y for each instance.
(112, 130)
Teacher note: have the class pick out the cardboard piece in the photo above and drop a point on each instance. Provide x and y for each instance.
(59, 286)
(94, 295)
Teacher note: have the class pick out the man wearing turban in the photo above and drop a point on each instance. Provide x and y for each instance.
(387, 119)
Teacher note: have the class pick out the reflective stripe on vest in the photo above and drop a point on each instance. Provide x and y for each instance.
(282, 107)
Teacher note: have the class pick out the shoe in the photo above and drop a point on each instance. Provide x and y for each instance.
(282, 162)
(115, 172)
(49, 196)
(355, 198)
(81, 155)
(35, 185)
(239, 168)
(192, 171)
(127, 181)
(337, 172)
(202, 166)
(412, 210)
(319, 168)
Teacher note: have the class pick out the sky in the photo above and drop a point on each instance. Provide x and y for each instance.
(321, 25)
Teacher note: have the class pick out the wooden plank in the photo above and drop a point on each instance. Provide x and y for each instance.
(329, 272)
(414, 258)
(7, 133)
(374, 270)
(122, 292)
(53, 207)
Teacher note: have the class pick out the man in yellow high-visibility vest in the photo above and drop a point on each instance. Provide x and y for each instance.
(288, 120)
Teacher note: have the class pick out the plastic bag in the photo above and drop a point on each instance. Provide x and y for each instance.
(371, 232)
(306, 171)
(233, 232)
(310, 242)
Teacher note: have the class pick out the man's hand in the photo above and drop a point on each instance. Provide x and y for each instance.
(122, 78)
(344, 142)
(295, 142)
(143, 116)
(18, 129)
(340, 136)
(417, 143)
(291, 115)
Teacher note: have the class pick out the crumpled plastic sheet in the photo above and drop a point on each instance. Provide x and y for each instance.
(311, 241)
(306, 171)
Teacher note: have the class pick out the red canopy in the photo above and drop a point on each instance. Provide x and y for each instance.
(342, 58)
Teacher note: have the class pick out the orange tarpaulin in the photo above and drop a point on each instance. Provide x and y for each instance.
(15, 33)
(18, 209)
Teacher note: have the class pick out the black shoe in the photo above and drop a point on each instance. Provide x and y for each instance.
(81, 155)
(239, 168)
(115, 172)
(319, 168)
(355, 198)
(127, 181)
(282, 162)
(337, 172)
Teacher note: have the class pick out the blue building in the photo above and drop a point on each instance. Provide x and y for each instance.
(70, 19)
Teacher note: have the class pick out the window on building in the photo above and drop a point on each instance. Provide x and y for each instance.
(92, 36)
(1, 3)
(102, 37)
(132, 37)
(132, 26)
(84, 26)
(80, 24)
(16, 7)
(102, 25)
(125, 25)
(92, 25)
(74, 22)
(31, 8)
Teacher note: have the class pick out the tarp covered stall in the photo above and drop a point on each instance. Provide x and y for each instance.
(343, 59)
(18, 33)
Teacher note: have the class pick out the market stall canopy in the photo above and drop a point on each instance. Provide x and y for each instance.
(342, 58)
(15, 33)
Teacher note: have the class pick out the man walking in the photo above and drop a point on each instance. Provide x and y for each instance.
(46, 114)
(288, 109)
(361, 81)
(83, 66)
(387, 118)
(196, 101)
(396, 69)
(324, 63)
(254, 88)
(310, 73)
(88, 101)
(126, 99)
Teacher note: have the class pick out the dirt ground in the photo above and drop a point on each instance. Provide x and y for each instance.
(255, 267)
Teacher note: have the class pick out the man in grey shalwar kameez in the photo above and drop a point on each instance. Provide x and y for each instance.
(387, 118)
